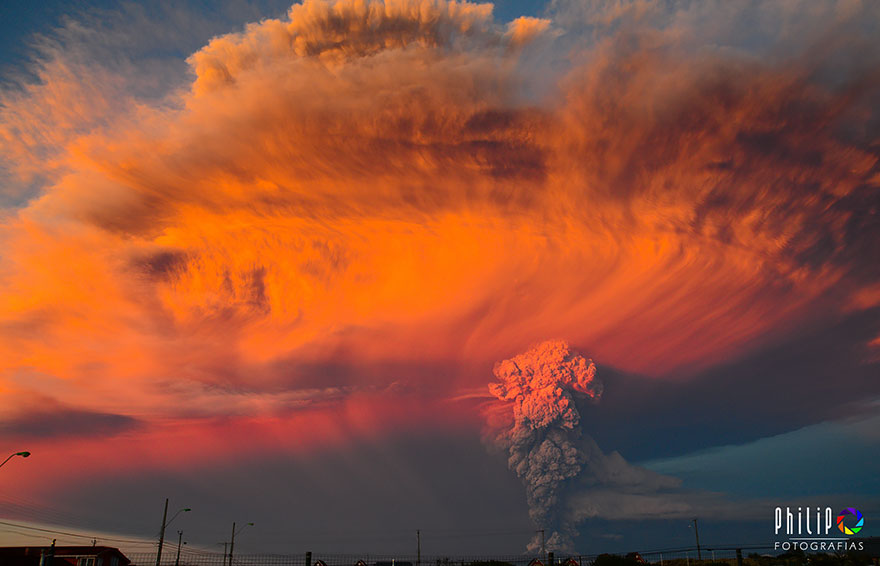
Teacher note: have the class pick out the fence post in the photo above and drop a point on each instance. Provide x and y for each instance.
(309, 558)
(739, 557)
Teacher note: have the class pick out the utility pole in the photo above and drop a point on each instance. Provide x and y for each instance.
(697, 534)
(232, 539)
(418, 547)
(179, 539)
(162, 533)
(231, 543)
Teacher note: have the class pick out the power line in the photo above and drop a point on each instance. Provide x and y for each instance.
(33, 510)
(65, 533)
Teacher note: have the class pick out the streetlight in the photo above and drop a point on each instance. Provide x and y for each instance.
(165, 524)
(24, 454)
(697, 534)
(232, 541)
(179, 511)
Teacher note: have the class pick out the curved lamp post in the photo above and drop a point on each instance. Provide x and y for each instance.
(23, 454)
(165, 524)
(232, 542)
(697, 534)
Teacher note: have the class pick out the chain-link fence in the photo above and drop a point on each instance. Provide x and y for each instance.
(192, 557)
(670, 557)
(704, 556)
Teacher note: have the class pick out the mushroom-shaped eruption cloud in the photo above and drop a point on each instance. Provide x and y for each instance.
(544, 442)
(536, 422)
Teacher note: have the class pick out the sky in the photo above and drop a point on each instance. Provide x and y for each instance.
(347, 269)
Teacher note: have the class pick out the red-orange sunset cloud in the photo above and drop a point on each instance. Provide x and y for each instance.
(367, 184)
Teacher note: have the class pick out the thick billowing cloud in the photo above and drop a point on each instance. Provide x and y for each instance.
(537, 423)
(363, 205)
(335, 33)
(543, 442)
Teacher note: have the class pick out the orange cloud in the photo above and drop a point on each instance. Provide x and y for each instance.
(364, 182)
(524, 29)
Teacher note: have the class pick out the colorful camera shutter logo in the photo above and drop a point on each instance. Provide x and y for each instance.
(860, 521)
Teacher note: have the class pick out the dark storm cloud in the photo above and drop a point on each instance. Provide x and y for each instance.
(65, 422)
(819, 372)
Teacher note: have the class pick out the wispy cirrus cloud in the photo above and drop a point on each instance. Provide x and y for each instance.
(362, 203)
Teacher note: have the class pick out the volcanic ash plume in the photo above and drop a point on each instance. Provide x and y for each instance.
(544, 442)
